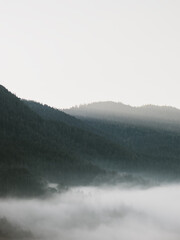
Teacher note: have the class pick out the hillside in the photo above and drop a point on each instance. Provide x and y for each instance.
(40, 144)
(51, 114)
(150, 131)
(155, 148)
(36, 149)
(164, 117)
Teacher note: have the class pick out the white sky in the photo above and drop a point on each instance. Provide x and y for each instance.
(68, 52)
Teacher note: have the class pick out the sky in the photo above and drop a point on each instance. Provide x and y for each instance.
(70, 52)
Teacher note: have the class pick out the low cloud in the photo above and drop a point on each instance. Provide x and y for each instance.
(94, 213)
(12, 231)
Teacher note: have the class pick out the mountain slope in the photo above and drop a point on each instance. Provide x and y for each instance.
(151, 132)
(33, 147)
(149, 115)
(51, 114)
(40, 144)
(155, 149)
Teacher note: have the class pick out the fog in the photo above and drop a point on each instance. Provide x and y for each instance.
(93, 213)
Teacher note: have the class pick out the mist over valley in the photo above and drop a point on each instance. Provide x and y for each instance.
(103, 212)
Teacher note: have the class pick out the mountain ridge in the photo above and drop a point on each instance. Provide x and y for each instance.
(47, 146)
(39, 144)
(147, 115)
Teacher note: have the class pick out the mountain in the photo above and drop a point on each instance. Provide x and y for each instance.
(41, 145)
(152, 132)
(36, 148)
(149, 115)
(154, 149)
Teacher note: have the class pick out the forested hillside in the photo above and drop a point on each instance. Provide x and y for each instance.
(150, 131)
(40, 144)
(34, 149)
(48, 113)
(156, 149)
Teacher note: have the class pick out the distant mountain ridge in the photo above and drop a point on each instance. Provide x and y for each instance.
(151, 131)
(114, 111)
(117, 108)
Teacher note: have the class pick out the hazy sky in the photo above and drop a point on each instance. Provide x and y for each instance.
(67, 52)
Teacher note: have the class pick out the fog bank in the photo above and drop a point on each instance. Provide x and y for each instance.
(95, 213)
